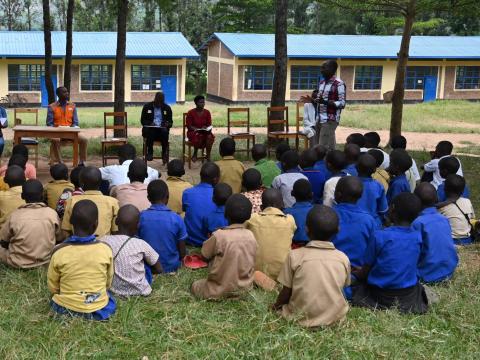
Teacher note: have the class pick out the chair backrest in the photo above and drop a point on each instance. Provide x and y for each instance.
(120, 122)
(277, 115)
(299, 119)
(243, 121)
(18, 120)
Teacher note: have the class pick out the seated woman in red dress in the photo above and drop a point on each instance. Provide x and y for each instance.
(199, 128)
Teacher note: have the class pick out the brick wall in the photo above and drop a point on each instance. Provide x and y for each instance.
(214, 48)
(212, 79)
(226, 81)
(296, 94)
(225, 53)
(413, 94)
(79, 97)
(142, 96)
(450, 93)
(27, 97)
(347, 75)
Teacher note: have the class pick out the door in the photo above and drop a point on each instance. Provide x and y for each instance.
(430, 88)
(169, 87)
(43, 88)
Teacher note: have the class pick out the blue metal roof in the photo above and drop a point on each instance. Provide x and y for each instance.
(154, 45)
(350, 46)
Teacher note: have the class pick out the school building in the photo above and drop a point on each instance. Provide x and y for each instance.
(154, 61)
(240, 66)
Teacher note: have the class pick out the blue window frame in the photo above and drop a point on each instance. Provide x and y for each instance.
(96, 77)
(148, 77)
(26, 77)
(368, 77)
(305, 77)
(415, 76)
(258, 77)
(468, 77)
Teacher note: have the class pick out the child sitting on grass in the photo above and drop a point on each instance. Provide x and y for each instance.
(458, 210)
(273, 231)
(438, 258)
(29, 234)
(55, 188)
(252, 184)
(389, 276)
(68, 193)
(449, 165)
(336, 162)
(81, 269)
(302, 192)
(267, 168)
(314, 276)
(11, 199)
(372, 141)
(176, 185)
(432, 172)
(413, 176)
(231, 170)
(131, 256)
(381, 175)
(163, 229)
(216, 219)
(400, 162)
(231, 253)
(135, 192)
(352, 152)
(308, 158)
(291, 173)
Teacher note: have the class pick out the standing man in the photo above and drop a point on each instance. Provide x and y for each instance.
(157, 121)
(3, 124)
(64, 113)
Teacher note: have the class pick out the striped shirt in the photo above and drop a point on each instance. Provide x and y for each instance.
(331, 90)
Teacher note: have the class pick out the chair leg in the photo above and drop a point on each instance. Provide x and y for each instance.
(36, 157)
(248, 149)
(103, 154)
(189, 157)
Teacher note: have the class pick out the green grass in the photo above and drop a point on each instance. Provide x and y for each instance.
(171, 324)
(440, 116)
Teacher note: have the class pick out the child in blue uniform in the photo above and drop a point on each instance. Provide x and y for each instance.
(336, 162)
(302, 192)
(320, 164)
(448, 166)
(352, 152)
(216, 219)
(316, 177)
(400, 162)
(438, 258)
(389, 276)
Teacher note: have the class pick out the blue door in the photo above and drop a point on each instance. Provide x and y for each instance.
(43, 88)
(430, 88)
(169, 88)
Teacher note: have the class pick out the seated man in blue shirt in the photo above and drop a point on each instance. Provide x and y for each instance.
(198, 201)
(438, 258)
(216, 219)
(302, 192)
(400, 162)
(352, 152)
(162, 228)
(308, 159)
(389, 276)
(447, 166)
(373, 199)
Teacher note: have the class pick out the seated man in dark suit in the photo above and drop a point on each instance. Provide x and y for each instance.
(156, 121)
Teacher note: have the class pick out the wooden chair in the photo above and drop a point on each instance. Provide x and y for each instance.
(278, 115)
(301, 135)
(187, 145)
(108, 142)
(155, 157)
(243, 122)
(31, 143)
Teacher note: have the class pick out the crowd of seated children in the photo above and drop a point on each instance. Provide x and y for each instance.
(216, 219)
(30, 170)
(134, 192)
(290, 174)
(352, 152)
(302, 192)
(400, 162)
(253, 188)
(131, 256)
(267, 168)
(372, 141)
(432, 172)
(15, 160)
(11, 199)
(231, 170)
(231, 253)
(413, 176)
(449, 165)
(381, 175)
(308, 159)
(176, 185)
(163, 229)
(336, 162)
(68, 193)
(60, 183)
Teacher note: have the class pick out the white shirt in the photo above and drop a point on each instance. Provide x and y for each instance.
(459, 224)
(309, 120)
(117, 174)
(284, 182)
(386, 158)
(329, 190)
(413, 176)
(432, 166)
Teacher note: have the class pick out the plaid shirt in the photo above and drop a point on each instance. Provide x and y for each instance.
(332, 90)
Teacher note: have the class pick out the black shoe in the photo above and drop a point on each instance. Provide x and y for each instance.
(149, 157)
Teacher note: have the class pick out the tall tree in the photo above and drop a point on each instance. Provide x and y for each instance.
(67, 74)
(119, 96)
(28, 4)
(244, 15)
(10, 10)
(280, 68)
(47, 35)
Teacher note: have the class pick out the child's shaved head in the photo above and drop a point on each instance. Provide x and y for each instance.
(127, 220)
(427, 194)
(59, 172)
(321, 151)
(252, 179)
(32, 191)
(366, 165)
(349, 189)
(336, 160)
(221, 193)
(90, 178)
(405, 208)
(84, 218)
(272, 198)
(137, 171)
(400, 162)
(15, 176)
(238, 209)
(322, 223)
(302, 190)
(308, 158)
(356, 138)
(157, 192)
(454, 185)
(448, 165)
(352, 152)
(175, 168)
(259, 151)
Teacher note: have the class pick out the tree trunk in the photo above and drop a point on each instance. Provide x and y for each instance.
(67, 74)
(280, 69)
(399, 89)
(119, 98)
(48, 51)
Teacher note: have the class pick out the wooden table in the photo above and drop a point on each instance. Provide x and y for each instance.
(49, 132)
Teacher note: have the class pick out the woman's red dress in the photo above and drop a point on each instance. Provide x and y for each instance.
(199, 139)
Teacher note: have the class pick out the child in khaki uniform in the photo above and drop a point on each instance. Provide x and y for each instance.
(231, 253)
(313, 277)
(176, 185)
(231, 170)
(54, 189)
(11, 199)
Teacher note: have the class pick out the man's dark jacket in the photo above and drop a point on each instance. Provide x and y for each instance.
(148, 115)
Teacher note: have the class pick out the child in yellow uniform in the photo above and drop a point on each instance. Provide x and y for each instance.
(53, 189)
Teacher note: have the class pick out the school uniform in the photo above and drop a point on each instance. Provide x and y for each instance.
(10, 200)
(284, 182)
(316, 273)
(163, 230)
(351, 169)
(215, 220)
(432, 167)
(383, 177)
(317, 180)
(231, 172)
(273, 231)
(398, 185)
(196, 202)
(53, 189)
(320, 165)
(231, 253)
(438, 257)
(255, 197)
(457, 214)
(442, 196)
(176, 187)
(134, 194)
(268, 169)
(373, 200)
(299, 211)
(393, 280)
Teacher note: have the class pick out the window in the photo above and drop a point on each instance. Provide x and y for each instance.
(368, 77)
(258, 77)
(305, 77)
(147, 77)
(26, 77)
(415, 76)
(96, 77)
(468, 77)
